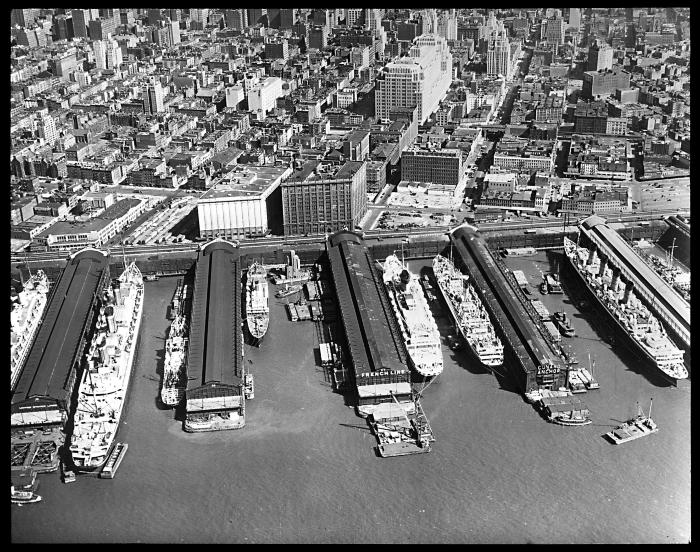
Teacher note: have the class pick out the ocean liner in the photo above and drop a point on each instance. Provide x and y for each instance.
(25, 319)
(256, 302)
(108, 366)
(468, 312)
(418, 327)
(629, 313)
(175, 369)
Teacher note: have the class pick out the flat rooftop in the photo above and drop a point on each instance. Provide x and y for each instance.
(246, 183)
(113, 212)
(215, 341)
(49, 369)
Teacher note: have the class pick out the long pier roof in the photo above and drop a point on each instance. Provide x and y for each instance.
(614, 244)
(215, 341)
(54, 352)
(365, 313)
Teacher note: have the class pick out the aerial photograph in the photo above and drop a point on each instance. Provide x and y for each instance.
(354, 276)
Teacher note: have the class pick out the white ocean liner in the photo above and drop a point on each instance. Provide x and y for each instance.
(629, 313)
(468, 312)
(256, 301)
(109, 362)
(418, 327)
(25, 319)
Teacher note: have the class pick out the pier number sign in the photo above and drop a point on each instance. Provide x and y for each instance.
(547, 369)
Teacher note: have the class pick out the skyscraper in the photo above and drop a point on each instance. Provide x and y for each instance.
(554, 31)
(600, 56)
(498, 54)
(420, 79)
(447, 25)
(153, 96)
(81, 20)
(108, 54)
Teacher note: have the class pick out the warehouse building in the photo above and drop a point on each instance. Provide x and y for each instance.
(248, 203)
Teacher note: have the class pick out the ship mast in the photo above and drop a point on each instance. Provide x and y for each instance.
(670, 258)
(650, 401)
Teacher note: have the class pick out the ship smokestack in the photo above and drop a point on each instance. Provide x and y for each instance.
(628, 289)
(103, 355)
(603, 265)
(116, 287)
(591, 254)
(405, 278)
(109, 314)
(615, 278)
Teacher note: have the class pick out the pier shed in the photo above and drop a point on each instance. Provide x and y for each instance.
(536, 366)
(214, 397)
(659, 296)
(378, 353)
(43, 391)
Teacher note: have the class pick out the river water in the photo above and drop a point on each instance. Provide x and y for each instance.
(304, 468)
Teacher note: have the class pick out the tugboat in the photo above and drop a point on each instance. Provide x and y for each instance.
(564, 324)
(639, 426)
(23, 487)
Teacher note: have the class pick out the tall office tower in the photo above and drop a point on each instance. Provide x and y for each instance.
(600, 56)
(255, 16)
(101, 28)
(81, 20)
(24, 17)
(429, 18)
(574, 18)
(447, 25)
(317, 37)
(288, 17)
(353, 16)
(174, 28)
(236, 19)
(273, 18)
(201, 15)
(175, 14)
(419, 79)
(373, 19)
(108, 54)
(154, 15)
(62, 27)
(46, 128)
(498, 54)
(554, 31)
(630, 35)
(153, 96)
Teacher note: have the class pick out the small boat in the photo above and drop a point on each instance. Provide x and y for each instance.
(591, 383)
(249, 386)
(18, 499)
(639, 426)
(114, 460)
(68, 476)
(564, 324)
(288, 290)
